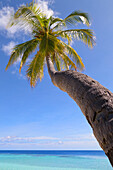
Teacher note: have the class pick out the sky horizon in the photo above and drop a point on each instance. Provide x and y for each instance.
(44, 117)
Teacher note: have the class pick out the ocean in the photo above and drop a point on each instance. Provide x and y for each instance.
(53, 160)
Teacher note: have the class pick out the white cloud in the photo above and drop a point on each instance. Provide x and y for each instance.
(86, 141)
(8, 48)
(47, 139)
(5, 15)
(44, 7)
(36, 138)
(73, 139)
(82, 137)
(28, 139)
(60, 142)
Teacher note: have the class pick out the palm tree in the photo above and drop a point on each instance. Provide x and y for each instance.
(51, 39)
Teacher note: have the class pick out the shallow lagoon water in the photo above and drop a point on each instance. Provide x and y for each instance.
(54, 160)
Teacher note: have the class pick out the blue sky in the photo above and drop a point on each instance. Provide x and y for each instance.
(45, 117)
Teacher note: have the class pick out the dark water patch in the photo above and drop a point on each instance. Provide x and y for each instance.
(55, 152)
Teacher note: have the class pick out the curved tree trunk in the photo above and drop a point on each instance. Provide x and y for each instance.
(94, 100)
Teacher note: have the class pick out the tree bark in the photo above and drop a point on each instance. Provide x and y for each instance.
(94, 100)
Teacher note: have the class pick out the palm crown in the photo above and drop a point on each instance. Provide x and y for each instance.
(47, 38)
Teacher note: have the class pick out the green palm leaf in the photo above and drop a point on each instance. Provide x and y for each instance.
(25, 49)
(77, 16)
(74, 18)
(75, 57)
(85, 35)
(27, 15)
(67, 61)
(35, 69)
(26, 54)
(57, 62)
(55, 20)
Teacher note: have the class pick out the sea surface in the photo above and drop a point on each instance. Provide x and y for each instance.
(54, 160)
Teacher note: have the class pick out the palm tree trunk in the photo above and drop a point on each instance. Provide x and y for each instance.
(94, 100)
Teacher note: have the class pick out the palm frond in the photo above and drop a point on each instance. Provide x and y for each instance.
(77, 17)
(67, 61)
(47, 44)
(26, 54)
(57, 62)
(43, 45)
(55, 20)
(85, 35)
(64, 35)
(27, 15)
(74, 18)
(64, 50)
(20, 49)
(75, 57)
(35, 69)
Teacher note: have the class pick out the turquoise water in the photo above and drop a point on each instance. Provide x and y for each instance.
(54, 160)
